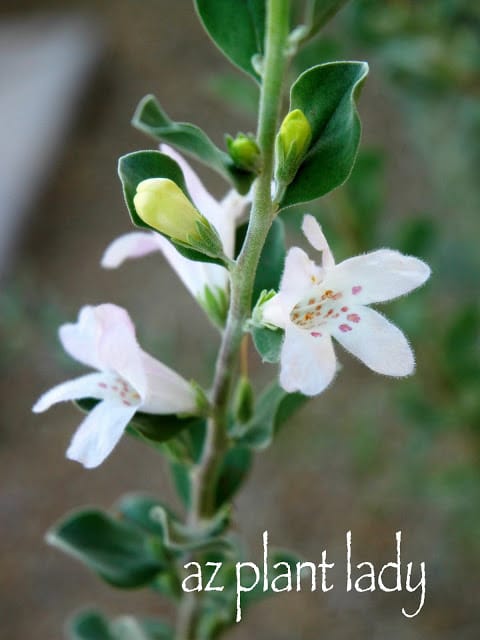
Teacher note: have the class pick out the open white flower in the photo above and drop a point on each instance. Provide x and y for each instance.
(196, 276)
(316, 303)
(128, 380)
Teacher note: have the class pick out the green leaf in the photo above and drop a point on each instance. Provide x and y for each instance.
(117, 551)
(268, 343)
(326, 94)
(150, 118)
(181, 480)
(243, 400)
(151, 427)
(273, 408)
(129, 628)
(93, 625)
(234, 469)
(237, 27)
(180, 537)
(270, 266)
(135, 167)
(137, 509)
(89, 625)
(272, 260)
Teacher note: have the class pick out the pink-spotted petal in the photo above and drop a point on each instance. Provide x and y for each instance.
(308, 363)
(300, 274)
(377, 276)
(167, 392)
(118, 349)
(376, 342)
(129, 246)
(89, 386)
(99, 432)
(314, 234)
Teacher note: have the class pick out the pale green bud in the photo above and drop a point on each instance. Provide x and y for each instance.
(163, 206)
(243, 400)
(292, 143)
(245, 152)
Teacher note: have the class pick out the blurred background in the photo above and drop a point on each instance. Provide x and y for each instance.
(372, 454)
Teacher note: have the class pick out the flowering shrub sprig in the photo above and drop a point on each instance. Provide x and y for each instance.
(231, 256)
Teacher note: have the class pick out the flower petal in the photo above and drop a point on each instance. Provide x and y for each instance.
(300, 274)
(104, 338)
(376, 342)
(80, 339)
(130, 245)
(83, 387)
(118, 349)
(167, 392)
(194, 275)
(378, 276)
(231, 210)
(99, 432)
(308, 363)
(314, 234)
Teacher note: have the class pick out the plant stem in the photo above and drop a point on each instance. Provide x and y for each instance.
(205, 475)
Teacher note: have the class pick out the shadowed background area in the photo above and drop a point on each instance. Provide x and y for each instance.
(371, 455)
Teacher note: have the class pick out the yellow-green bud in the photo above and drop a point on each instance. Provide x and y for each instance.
(245, 152)
(292, 143)
(162, 205)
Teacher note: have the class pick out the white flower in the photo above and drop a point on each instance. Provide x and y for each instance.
(196, 276)
(128, 380)
(316, 303)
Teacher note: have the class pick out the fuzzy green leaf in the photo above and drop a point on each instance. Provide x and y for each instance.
(233, 471)
(237, 27)
(137, 509)
(118, 552)
(93, 625)
(326, 94)
(272, 409)
(151, 119)
(181, 480)
(268, 343)
(135, 167)
(272, 260)
(89, 625)
(180, 537)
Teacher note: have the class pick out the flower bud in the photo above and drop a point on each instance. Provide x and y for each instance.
(243, 400)
(292, 143)
(163, 206)
(245, 152)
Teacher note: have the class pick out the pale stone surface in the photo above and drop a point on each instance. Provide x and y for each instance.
(45, 64)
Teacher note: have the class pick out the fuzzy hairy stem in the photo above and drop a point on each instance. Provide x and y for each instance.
(205, 474)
